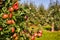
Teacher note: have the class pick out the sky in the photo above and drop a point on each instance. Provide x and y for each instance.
(39, 2)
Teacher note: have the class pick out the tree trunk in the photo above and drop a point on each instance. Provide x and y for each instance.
(52, 27)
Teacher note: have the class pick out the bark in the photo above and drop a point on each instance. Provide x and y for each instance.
(52, 27)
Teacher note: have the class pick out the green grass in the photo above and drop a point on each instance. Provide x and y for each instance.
(49, 36)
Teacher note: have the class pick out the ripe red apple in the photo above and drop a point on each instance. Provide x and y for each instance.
(0, 28)
(39, 34)
(10, 15)
(4, 16)
(15, 7)
(13, 29)
(40, 31)
(33, 38)
(12, 21)
(8, 21)
(11, 9)
(14, 35)
(35, 34)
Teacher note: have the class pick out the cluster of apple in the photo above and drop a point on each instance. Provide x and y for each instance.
(14, 7)
(10, 15)
(11, 9)
(37, 34)
(5, 16)
(13, 31)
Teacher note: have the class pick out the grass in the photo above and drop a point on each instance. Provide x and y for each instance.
(50, 36)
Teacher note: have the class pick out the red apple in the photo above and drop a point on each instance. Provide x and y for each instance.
(14, 35)
(13, 29)
(35, 34)
(9, 22)
(11, 9)
(40, 31)
(10, 15)
(0, 28)
(15, 7)
(33, 38)
(4, 16)
(39, 34)
(12, 21)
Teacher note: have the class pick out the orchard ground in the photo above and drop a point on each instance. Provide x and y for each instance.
(47, 35)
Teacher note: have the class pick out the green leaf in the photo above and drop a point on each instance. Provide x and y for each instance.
(14, 18)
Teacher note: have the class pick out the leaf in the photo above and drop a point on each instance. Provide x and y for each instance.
(22, 13)
(7, 38)
(7, 2)
(14, 18)
(2, 33)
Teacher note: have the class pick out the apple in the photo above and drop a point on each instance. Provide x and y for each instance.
(33, 38)
(13, 29)
(11, 9)
(39, 34)
(10, 15)
(4, 16)
(12, 21)
(8, 21)
(15, 7)
(14, 35)
(35, 34)
(0, 28)
(40, 31)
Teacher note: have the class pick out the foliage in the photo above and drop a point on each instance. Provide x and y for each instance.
(12, 25)
(47, 27)
(21, 21)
